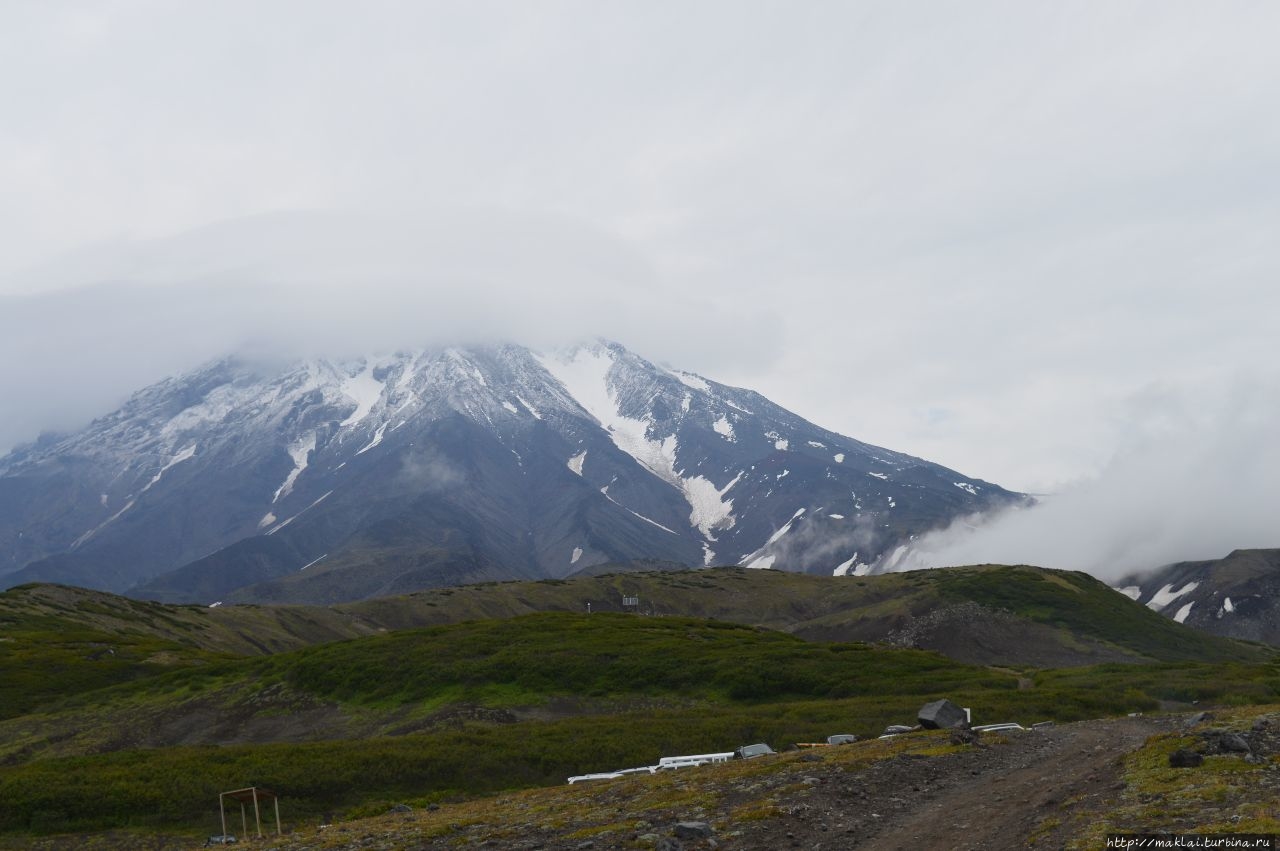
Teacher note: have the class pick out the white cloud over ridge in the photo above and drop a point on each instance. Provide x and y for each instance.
(1197, 478)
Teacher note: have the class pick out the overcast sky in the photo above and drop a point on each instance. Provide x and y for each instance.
(1009, 237)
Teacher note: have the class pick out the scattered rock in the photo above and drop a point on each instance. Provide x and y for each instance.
(1261, 724)
(962, 735)
(940, 715)
(693, 830)
(1234, 743)
(1199, 718)
(648, 839)
(402, 808)
(1225, 741)
(1183, 758)
(666, 843)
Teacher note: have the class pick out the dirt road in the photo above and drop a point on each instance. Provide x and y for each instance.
(1041, 785)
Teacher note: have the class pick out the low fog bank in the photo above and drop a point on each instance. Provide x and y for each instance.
(1195, 478)
(96, 326)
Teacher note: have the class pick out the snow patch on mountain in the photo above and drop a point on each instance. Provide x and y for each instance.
(1181, 616)
(710, 510)
(575, 463)
(280, 526)
(300, 451)
(690, 380)
(104, 524)
(842, 569)
(774, 538)
(585, 375)
(537, 415)
(313, 562)
(377, 438)
(1166, 595)
(605, 491)
(467, 366)
(1133, 592)
(724, 428)
(365, 391)
(185, 455)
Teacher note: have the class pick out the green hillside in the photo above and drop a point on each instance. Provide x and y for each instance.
(1023, 615)
(125, 714)
(498, 704)
(56, 641)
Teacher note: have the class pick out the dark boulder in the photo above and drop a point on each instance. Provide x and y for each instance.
(1234, 743)
(1183, 758)
(940, 715)
(693, 830)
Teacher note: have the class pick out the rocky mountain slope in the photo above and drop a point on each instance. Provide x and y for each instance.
(323, 481)
(1237, 596)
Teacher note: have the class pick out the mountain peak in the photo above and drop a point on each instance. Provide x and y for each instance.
(325, 480)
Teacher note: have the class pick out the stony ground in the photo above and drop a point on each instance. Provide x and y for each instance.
(1058, 787)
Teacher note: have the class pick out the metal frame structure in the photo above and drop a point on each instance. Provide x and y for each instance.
(244, 796)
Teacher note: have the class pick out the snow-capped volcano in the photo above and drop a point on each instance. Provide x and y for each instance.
(323, 480)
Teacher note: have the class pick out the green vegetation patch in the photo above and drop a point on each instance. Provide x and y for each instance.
(1226, 794)
(527, 659)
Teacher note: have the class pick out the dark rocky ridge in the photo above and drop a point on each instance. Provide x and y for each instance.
(1235, 597)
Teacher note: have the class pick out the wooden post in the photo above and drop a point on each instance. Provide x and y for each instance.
(257, 814)
(279, 832)
(244, 824)
(222, 811)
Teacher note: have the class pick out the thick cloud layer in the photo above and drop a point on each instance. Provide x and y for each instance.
(287, 286)
(1197, 478)
(973, 232)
